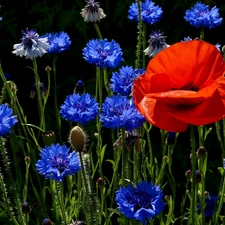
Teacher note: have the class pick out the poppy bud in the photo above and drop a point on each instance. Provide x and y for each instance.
(77, 139)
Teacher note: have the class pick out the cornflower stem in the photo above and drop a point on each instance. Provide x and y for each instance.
(102, 204)
(26, 216)
(202, 32)
(57, 116)
(173, 182)
(113, 183)
(86, 187)
(221, 199)
(100, 100)
(106, 82)
(26, 181)
(40, 103)
(150, 149)
(97, 30)
(124, 159)
(194, 186)
(140, 25)
(53, 189)
(136, 167)
(219, 137)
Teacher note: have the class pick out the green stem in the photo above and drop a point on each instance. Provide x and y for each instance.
(6, 200)
(106, 82)
(40, 103)
(193, 187)
(140, 25)
(57, 116)
(124, 159)
(86, 187)
(150, 149)
(144, 45)
(221, 200)
(202, 33)
(26, 180)
(97, 30)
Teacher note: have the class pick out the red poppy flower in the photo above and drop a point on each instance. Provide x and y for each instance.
(183, 84)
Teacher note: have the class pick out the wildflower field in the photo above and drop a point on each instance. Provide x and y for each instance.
(112, 112)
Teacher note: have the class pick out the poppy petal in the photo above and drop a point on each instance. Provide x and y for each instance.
(193, 61)
(209, 111)
(184, 97)
(161, 115)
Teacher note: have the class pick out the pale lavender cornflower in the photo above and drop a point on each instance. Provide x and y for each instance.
(157, 43)
(32, 45)
(92, 12)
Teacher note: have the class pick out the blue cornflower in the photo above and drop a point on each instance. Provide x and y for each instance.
(200, 16)
(140, 203)
(7, 76)
(58, 42)
(120, 112)
(103, 53)
(149, 12)
(32, 45)
(56, 162)
(79, 108)
(6, 119)
(157, 43)
(47, 222)
(210, 202)
(122, 82)
(92, 12)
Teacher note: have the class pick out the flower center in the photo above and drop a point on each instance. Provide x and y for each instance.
(59, 162)
(104, 53)
(190, 86)
(140, 200)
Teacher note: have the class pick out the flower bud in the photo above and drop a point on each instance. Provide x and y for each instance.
(49, 137)
(48, 68)
(201, 152)
(188, 174)
(100, 183)
(198, 176)
(26, 209)
(171, 138)
(77, 139)
(47, 222)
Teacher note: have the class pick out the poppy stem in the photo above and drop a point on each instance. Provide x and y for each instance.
(193, 187)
